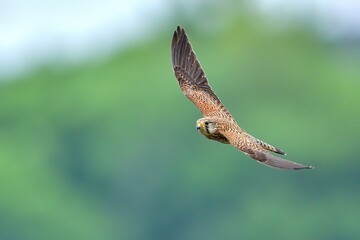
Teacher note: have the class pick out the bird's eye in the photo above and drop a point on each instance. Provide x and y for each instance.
(206, 123)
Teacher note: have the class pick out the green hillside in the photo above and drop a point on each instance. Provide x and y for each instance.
(109, 150)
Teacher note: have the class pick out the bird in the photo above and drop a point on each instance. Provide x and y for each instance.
(217, 123)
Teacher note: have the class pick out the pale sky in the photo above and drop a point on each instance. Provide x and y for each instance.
(32, 32)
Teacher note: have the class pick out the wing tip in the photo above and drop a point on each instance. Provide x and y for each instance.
(304, 167)
(276, 162)
(177, 34)
(178, 44)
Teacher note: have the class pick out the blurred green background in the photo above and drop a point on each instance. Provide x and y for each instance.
(107, 148)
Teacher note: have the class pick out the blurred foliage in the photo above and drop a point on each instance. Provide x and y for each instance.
(109, 150)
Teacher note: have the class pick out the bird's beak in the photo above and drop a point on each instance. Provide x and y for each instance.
(198, 125)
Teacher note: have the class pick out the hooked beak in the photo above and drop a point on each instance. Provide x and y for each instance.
(198, 125)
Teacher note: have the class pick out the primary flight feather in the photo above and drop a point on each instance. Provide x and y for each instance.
(217, 123)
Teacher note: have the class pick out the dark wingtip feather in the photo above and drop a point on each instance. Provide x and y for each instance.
(177, 35)
(184, 61)
(309, 167)
(276, 162)
(176, 45)
(298, 168)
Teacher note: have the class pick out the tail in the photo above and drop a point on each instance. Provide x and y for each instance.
(269, 147)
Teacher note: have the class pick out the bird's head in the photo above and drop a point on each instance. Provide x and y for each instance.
(206, 126)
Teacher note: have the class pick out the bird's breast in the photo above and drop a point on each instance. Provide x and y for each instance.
(214, 136)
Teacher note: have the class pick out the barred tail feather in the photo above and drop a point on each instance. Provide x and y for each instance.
(269, 147)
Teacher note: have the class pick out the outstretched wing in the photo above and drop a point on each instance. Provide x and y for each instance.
(192, 79)
(273, 161)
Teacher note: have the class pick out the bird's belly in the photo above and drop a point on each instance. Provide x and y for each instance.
(217, 137)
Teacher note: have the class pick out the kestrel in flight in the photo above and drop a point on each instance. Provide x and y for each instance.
(217, 123)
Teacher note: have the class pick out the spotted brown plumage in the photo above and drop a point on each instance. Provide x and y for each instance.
(192, 79)
(217, 123)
